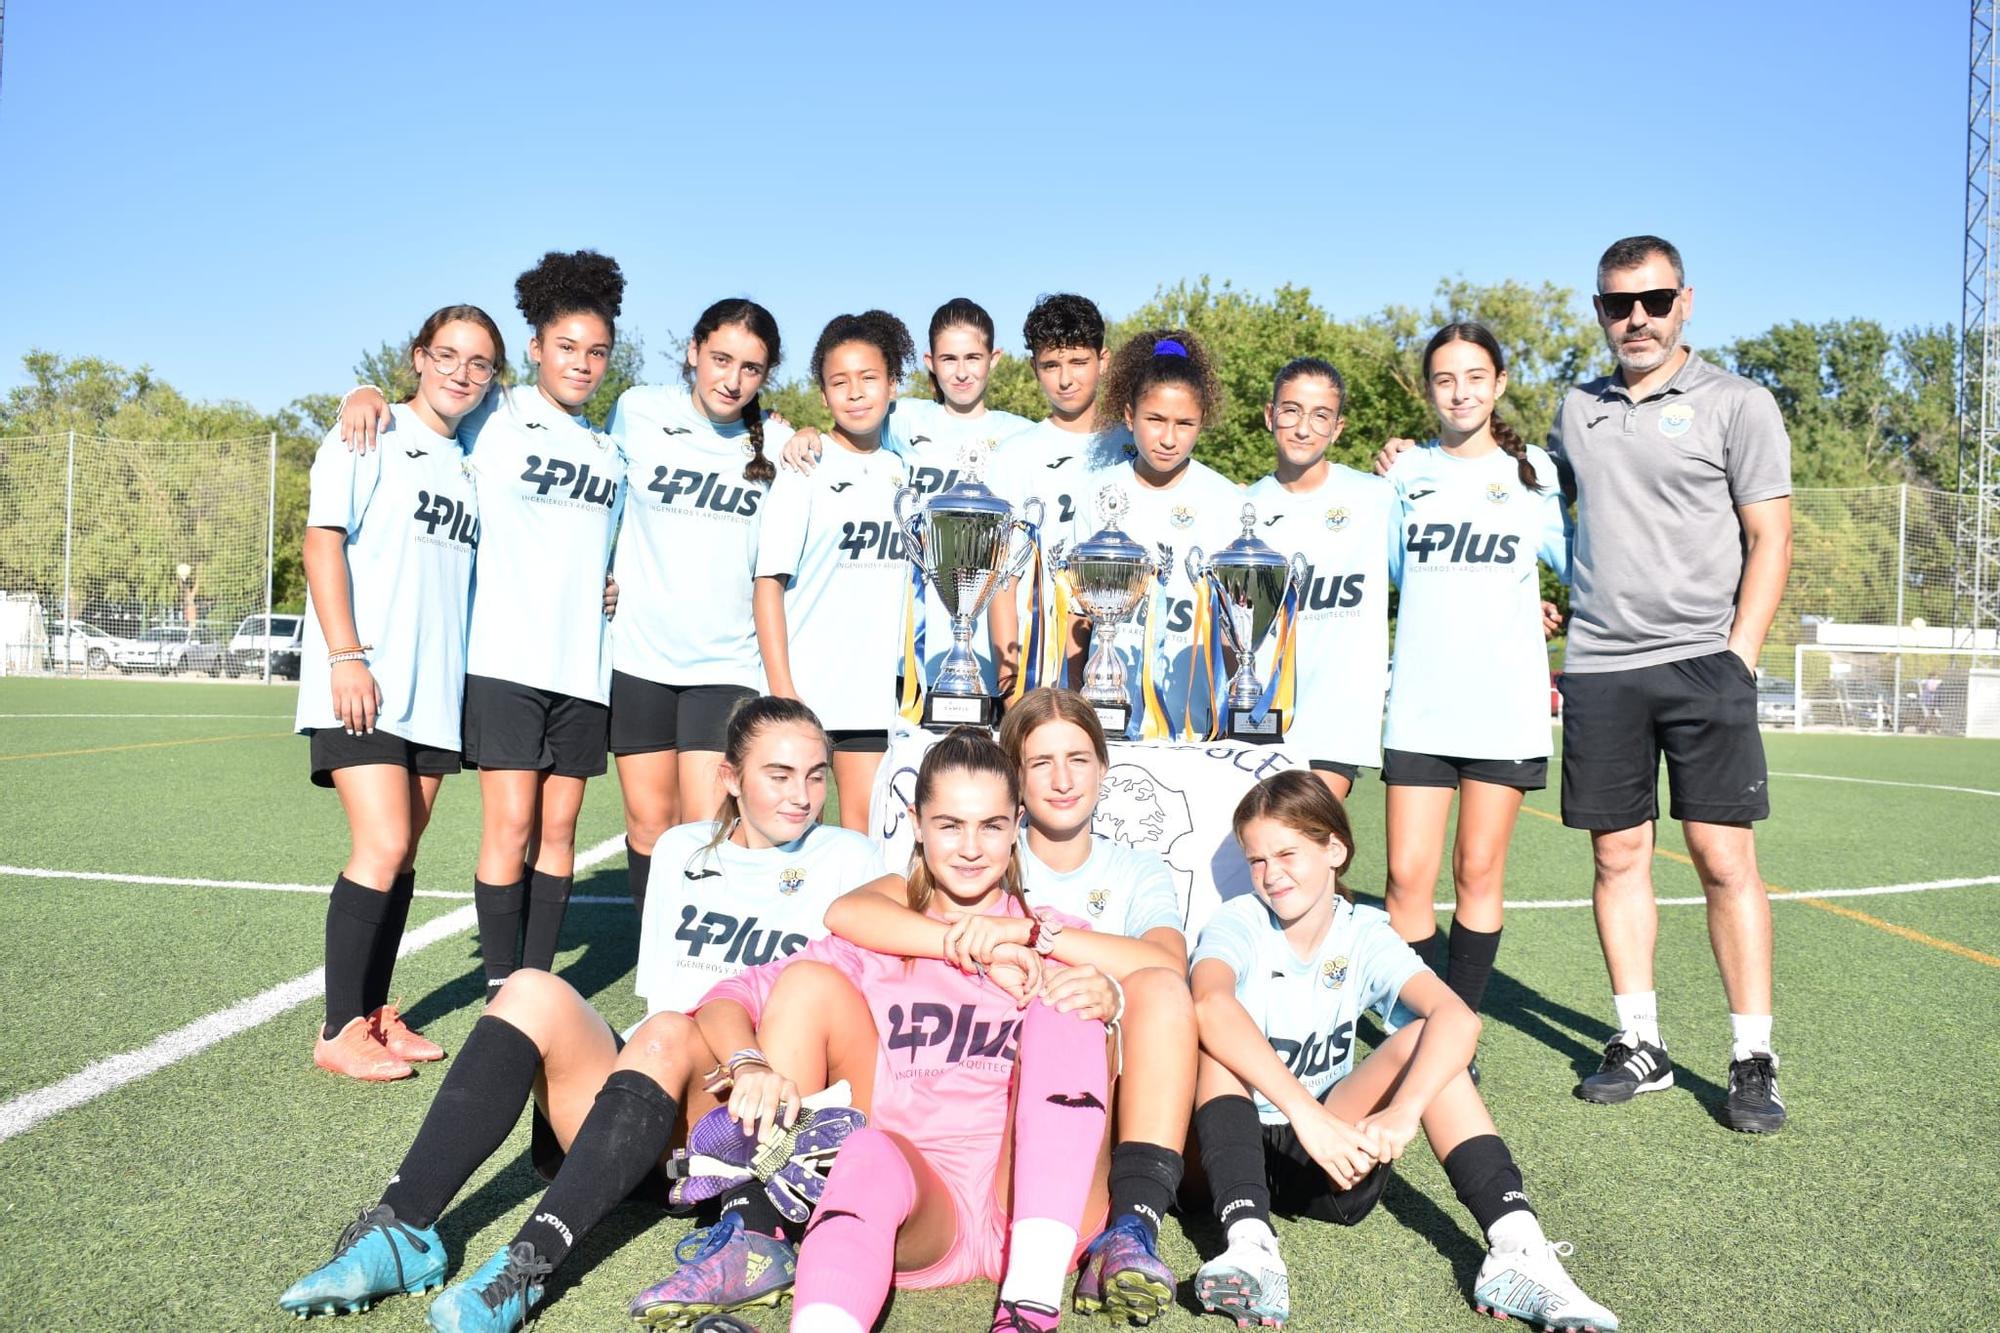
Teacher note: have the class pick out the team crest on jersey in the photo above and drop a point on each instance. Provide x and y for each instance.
(1497, 493)
(1333, 972)
(1676, 420)
(1098, 898)
(790, 879)
(1337, 518)
(1182, 517)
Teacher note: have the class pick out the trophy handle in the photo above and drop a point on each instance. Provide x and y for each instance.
(1028, 528)
(910, 521)
(1301, 571)
(1196, 560)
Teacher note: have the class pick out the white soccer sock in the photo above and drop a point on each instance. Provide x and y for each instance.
(1038, 1251)
(1253, 1231)
(1517, 1230)
(1639, 1012)
(823, 1318)
(1751, 1034)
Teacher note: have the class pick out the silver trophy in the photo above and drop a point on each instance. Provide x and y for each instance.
(1108, 574)
(960, 539)
(1247, 583)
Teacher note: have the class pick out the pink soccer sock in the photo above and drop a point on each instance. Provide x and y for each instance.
(1058, 1128)
(848, 1257)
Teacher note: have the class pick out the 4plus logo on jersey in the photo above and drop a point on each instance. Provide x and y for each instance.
(1457, 543)
(870, 540)
(708, 491)
(441, 511)
(961, 1031)
(746, 944)
(580, 483)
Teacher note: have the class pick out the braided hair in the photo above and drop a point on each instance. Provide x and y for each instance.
(743, 313)
(1471, 331)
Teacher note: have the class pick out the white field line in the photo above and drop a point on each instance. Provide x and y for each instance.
(29, 1109)
(1872, 891)
(189, 881)
(1885, 782)
(266, 717)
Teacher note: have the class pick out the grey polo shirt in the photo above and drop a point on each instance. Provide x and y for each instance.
(1659, 548)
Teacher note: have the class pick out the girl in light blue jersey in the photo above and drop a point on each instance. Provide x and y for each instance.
(1344, 522)
(1476, 509)
(1286, 1119)
(832, 573)
(684, 654)
(389, 549)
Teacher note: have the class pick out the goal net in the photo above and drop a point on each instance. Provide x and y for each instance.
(1929, 690)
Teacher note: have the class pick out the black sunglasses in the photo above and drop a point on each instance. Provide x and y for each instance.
(1618, 305)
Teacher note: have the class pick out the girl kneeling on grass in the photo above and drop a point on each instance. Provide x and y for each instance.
(1284, 1116)
(985, 1091)
(605, 1110)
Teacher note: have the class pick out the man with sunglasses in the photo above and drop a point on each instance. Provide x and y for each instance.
(1681, 473)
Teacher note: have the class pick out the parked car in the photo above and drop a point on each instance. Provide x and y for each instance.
(281, 639)
(81, 644)
(171, 648)
(1777, 701)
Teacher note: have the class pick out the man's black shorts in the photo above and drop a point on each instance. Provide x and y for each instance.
(1700, 712)
(510, 725)
(1300, 1187)
(332, 748)
(647, 717)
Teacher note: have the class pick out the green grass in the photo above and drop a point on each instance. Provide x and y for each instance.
(190, 1197)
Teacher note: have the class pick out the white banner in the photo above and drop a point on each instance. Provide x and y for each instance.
(1172, 798)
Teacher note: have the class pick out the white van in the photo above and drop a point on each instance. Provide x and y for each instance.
(282, 639)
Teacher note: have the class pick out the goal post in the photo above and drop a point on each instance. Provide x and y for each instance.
(1891, 689)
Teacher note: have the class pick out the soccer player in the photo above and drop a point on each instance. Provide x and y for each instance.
(831, 567)
(389, 548)
(537, 662)
(985, 1092)
(684, 654)
(1286, 1120)
(605, 1109)
(1163, 385)
(1477, 508)
(1344, 522)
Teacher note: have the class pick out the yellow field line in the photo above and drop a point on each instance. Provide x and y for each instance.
(1821, 904)
(144, 745)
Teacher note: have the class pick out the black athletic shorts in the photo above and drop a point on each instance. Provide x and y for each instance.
(1351, 772)
(333, 748)
(647, 717)
(1700, 712)
(1407, 768)
(510, 725)
(859, 741)
(1300, 1186)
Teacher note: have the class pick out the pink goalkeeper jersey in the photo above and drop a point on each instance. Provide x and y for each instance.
(945, 1053)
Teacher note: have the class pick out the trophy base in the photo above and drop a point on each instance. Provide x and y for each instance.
(942, 712)
(1114, 718)
(1242, 726)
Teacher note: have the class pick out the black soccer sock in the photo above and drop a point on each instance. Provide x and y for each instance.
(382, 963)
(1431, 948)
(356, 919)
(1472, 953)
(475, 1109)
(638, 869)
(498, 907)
(628, 1127)
(548, 896)
(749, 1201)
(1144, 1180)
(1483, 1175)
(1232, 1157)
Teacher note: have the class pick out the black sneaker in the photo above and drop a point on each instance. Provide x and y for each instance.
(1631, 1066)
(1753, 1106)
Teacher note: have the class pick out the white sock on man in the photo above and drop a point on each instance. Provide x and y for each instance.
(1517, 1230)
(1639, 1013)
(823, 1318)
(1750, 1035)
(1038, 1253)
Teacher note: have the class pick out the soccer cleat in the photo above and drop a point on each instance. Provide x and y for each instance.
(1631, 1066)
(792, 1166)
(1248, 1283)
(356, 1052)
(1529, 1284)
(404, 1042)
(1025, 1317)
(1754, 1106)
(722, 1268)
(497, 1297)
(722, 1323)
(1122, 1275)
(377, 1255)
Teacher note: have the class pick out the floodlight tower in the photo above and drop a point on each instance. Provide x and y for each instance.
(1978, 579)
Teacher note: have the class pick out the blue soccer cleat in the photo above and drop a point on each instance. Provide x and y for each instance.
(1122, 1276)
(497, 1297)
(722, 1268)
(376, 1256)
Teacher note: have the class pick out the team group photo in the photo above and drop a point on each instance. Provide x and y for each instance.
(976, 801)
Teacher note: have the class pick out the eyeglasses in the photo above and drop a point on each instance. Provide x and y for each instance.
(1320, 420)
(445, 362)
(1618, 305)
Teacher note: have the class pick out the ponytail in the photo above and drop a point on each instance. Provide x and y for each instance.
(759, 469)
(1471, 331)
(1504, 436)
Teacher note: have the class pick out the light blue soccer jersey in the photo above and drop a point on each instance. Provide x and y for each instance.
(1121, 889)
(411, 516)
(1344, 529)
(550, 492)
(1471, 675)
(1204, 508)
(710, 914)
(688, 551)
(1307, 1007)
(834, 536)
(1060, 468)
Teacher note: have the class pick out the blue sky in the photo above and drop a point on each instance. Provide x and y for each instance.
(245, 195)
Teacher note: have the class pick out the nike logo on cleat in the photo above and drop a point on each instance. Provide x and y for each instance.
(1080, 1102)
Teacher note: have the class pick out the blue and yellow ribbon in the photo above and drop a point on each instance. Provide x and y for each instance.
(914, 611)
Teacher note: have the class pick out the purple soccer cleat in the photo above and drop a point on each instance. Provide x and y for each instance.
(722, 1268)
(1122, 1276)
(792, 1166)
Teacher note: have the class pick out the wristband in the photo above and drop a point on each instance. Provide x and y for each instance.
(749, 1055)
(335, 659)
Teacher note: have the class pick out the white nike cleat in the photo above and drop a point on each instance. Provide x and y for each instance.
(1530, 1284)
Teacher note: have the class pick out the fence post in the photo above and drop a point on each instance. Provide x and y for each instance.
(1902, 547)
(270, 546)
(69, 524)
(1799, 686)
